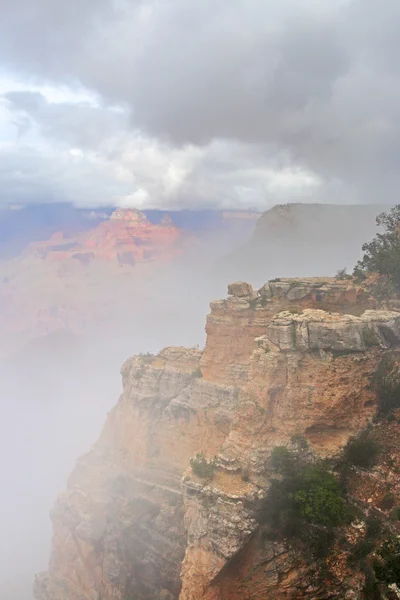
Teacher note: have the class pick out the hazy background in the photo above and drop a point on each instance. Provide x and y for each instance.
(56, 391)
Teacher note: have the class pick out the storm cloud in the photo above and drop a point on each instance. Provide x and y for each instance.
(223, 99)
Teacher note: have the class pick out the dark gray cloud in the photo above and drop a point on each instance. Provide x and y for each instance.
(317, 81)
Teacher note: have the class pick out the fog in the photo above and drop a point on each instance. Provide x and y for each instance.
(55, 391)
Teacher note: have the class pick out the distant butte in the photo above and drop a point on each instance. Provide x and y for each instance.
(127, 237)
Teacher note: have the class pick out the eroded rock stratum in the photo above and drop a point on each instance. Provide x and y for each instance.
(295, 358)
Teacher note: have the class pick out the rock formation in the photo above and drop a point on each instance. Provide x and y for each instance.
(136, 522)
(126, 237)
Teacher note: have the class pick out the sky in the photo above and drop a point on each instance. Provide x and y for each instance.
(199, 103)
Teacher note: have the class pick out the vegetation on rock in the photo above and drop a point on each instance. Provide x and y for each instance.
(202, 467)
(305, 495)
(382, 254)
(387, 562)
(342, 274)
(387, 382)
(361, 451)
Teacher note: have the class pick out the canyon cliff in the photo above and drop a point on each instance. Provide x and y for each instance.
(295, 359)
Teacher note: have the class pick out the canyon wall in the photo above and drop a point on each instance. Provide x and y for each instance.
(295, 358)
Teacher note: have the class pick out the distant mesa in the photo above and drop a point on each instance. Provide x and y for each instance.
(126, 238)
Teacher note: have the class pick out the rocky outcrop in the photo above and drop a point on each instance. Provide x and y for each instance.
(234, 323)
(137, 522)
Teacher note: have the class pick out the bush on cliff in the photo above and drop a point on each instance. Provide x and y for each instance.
(387, 383)
(361, 451)
(387, 562)
(342, 274)
(306, 494)
(382, 254)
(202, 467)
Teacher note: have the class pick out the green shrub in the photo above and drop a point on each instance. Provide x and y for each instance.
(395, 514)
(282, 459)
(319, 498)
(276, 280)
(387, 563)
(382, 254)
(202, 467)
(305, 494)
(361, 451)
(387, 383)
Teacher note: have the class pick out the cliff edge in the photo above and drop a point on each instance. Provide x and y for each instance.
(140, 520)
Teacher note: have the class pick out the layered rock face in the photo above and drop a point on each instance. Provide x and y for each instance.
(295, 358)
(127, 237)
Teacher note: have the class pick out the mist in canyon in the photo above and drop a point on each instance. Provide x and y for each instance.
(56, 390)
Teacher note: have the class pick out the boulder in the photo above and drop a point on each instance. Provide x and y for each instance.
(240, 289)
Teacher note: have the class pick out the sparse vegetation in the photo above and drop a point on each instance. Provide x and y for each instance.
(283, 460)
(276, 280)
(360, 550)
(202, 467)
(387, 382)
(306, 495)
(361, 451)
(387, 562)
(342, 274)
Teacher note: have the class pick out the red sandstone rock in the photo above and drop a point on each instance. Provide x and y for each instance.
(127, 237)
